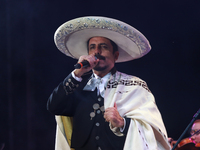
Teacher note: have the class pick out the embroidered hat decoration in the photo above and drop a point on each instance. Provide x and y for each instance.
(71, 37)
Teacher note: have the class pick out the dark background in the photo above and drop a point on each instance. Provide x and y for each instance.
(32, 66)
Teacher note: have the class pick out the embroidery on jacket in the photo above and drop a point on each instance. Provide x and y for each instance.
(114, 84)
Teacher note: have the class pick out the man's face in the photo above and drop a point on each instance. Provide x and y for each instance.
(104, 47)
(195, 127)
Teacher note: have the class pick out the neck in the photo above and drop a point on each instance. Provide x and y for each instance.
(103, 73)
(100, 73)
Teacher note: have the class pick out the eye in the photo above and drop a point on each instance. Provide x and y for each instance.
(91, 47)
(103, 46)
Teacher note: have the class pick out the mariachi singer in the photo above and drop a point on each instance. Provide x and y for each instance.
(96, 106)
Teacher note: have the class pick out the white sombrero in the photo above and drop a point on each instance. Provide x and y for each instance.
(71, 37)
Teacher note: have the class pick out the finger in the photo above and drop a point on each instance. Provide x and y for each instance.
(115, 105)
(106, 118)
(93, 61)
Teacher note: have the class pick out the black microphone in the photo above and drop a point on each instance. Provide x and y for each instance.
(85, 63)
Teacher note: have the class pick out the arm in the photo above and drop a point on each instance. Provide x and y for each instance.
(62, 99)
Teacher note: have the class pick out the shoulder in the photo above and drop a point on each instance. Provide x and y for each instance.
(130, 80)
(125, 76)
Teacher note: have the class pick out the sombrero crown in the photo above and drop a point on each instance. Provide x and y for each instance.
(71, 37)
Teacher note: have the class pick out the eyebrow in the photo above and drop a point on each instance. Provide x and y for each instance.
(99, 44)
(103, 44)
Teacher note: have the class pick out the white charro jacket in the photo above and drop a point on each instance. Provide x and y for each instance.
(134, 100)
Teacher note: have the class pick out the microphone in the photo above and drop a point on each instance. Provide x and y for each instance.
(85, 63)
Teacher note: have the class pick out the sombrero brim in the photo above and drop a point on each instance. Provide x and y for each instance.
(71, 37)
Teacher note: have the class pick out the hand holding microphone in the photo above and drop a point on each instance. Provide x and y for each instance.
(85, 63)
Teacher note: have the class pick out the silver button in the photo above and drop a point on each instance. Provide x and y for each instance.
(99, 148)
(92, 114)
(67, 84)
(98, 111)
(97, 137)
(97, 124)
(99, 99)
(96, 106)
(102, 108)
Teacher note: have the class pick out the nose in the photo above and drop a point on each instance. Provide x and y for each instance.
(193, 137)
(97, 50)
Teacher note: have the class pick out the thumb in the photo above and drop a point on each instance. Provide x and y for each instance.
(115, 105)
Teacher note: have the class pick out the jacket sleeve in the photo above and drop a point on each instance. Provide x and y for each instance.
(62, 100)
(116, 130)
(127, 125)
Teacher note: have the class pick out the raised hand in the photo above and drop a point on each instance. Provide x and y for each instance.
(112, 115)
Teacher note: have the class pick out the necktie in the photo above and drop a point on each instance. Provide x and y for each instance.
(94, 83)
(101, 87)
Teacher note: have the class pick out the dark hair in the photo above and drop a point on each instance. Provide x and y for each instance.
(197, 121)
(114, 45)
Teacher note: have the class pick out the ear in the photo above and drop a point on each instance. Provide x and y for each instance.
(116, 55)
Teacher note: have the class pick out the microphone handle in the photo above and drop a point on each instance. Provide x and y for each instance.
(84, 63)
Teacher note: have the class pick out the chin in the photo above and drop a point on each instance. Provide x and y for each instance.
(99, 68)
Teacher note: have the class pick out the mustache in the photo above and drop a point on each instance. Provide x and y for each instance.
(99, 56)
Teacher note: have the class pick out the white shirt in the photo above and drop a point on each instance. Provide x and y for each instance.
(101, 85)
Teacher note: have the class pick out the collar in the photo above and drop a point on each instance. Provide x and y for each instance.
(94, 80)
(112, 71)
